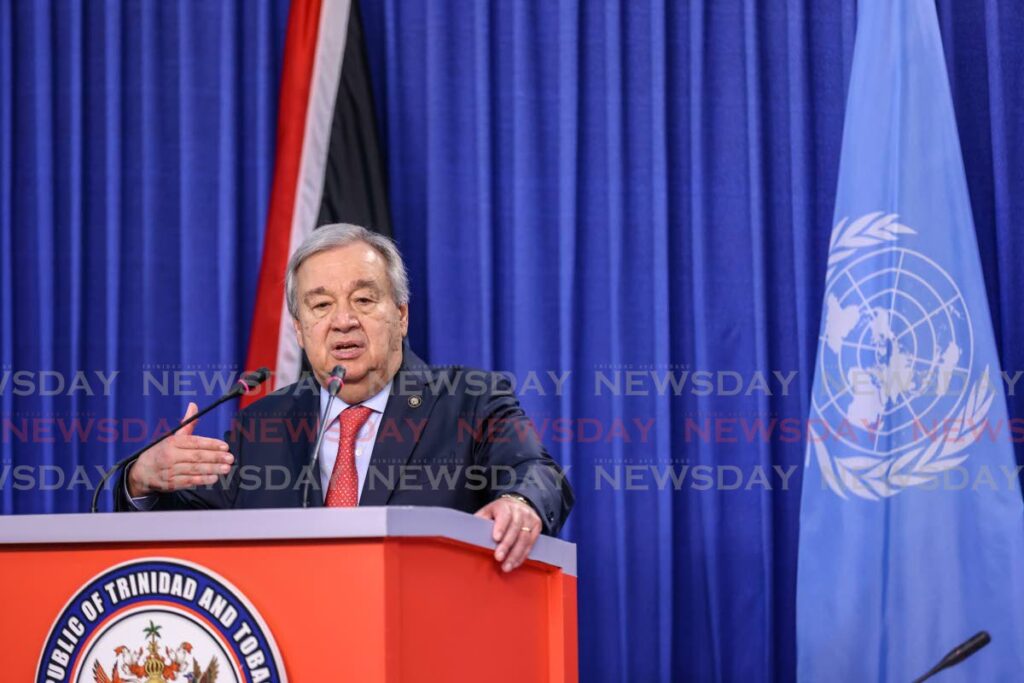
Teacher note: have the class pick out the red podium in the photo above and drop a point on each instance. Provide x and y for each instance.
(367, 594)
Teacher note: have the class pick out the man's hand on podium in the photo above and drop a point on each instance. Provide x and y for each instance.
(516, 528)
(181, 461)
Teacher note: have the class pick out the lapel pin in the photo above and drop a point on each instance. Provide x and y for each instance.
(415, 401)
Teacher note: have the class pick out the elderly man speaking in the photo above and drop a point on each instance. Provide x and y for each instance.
(399, 433)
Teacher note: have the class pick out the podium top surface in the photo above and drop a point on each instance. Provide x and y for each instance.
(238, 525)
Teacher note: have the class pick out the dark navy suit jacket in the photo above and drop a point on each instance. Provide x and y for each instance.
(449, 437)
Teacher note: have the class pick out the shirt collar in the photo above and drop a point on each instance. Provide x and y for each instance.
(377, 403)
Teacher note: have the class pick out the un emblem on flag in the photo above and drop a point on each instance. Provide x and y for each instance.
(894, 403)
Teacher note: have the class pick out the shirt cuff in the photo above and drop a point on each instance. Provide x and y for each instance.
(141, 503)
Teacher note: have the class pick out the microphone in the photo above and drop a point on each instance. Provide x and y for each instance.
(959, 654)
(336, 381)
(334, 385)
(244, 385)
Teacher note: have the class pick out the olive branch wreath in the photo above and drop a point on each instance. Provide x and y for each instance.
(867, 231)
(873, 477)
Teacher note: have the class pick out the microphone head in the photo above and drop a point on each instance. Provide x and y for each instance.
(976, 642)
(965, 649)
(251, 380)
(336, 381)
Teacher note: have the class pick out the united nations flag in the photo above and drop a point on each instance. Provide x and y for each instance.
(912, 522)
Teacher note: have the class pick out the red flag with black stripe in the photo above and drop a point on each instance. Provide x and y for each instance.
(329, 167)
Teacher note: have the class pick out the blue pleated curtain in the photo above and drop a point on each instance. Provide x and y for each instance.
(578, 187)
(136, 151)
(602, 187)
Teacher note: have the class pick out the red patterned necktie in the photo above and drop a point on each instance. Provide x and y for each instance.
(343, 491)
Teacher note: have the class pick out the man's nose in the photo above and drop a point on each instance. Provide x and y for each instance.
(344, 318)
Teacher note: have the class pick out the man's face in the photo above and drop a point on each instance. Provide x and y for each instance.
(348, 317)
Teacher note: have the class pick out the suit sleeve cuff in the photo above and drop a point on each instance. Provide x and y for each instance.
(142, 503)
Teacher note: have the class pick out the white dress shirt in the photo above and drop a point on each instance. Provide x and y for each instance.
(365, 439)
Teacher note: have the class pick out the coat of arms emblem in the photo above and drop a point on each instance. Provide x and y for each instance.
(155, 663)
(159, 620)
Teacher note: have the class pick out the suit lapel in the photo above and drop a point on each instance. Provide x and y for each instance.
(307, 412)
(401, 425)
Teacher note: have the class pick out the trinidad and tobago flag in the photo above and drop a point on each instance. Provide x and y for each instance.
(329, 167)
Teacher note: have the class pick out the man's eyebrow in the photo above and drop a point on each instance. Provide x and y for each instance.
(365, 284)
(315, 291)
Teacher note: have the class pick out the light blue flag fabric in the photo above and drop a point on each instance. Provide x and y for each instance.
(911, 525)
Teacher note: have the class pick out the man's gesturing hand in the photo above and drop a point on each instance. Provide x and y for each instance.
(180, 461)
(516, 528)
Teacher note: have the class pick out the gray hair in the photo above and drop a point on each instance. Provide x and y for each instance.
(339, 235)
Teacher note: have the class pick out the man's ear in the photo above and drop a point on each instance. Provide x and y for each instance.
(298, 333)
(403, 319)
